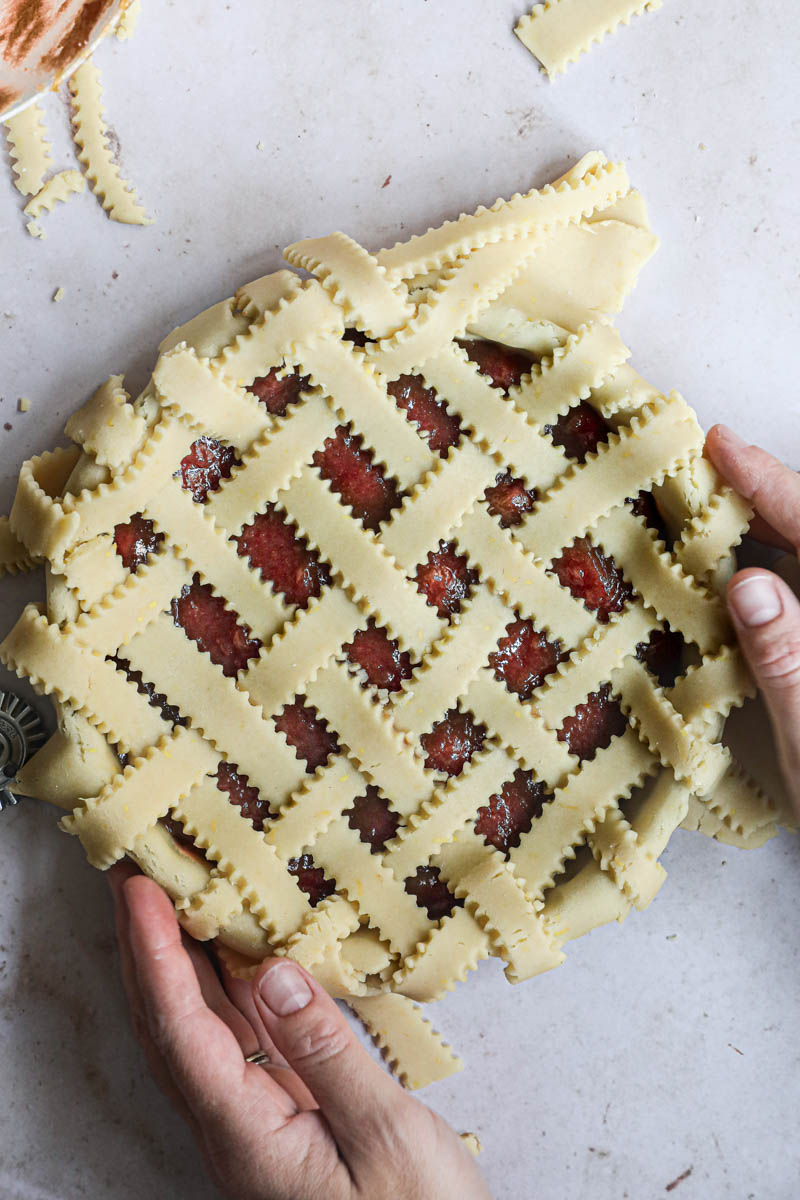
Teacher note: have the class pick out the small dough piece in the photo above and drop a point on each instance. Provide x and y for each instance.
(559, 31)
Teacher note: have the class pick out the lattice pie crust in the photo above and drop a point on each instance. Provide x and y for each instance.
(540, 272)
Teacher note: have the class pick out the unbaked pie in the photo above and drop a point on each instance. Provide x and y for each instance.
(385, 626)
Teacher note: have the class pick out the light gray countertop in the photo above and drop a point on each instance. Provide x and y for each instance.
(665, 1044)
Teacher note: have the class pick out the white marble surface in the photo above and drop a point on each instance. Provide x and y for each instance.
(666, 1044)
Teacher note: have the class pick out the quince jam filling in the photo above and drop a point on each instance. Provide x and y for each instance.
(524, 656)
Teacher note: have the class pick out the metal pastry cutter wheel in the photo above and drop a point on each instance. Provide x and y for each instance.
(20, 733)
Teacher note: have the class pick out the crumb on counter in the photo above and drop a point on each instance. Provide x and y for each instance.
(23, 404)
(58, 295)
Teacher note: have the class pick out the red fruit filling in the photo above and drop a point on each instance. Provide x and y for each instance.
(385, 664)
(504, 367)
(580, 431)
(205, 465)
(307, 733)
(239, 792)
(509, 499)
(374, 820)
(523, 658)
(157, 699)
(311, 879)
(277, 394)
(452, 742)
(432, 893)
(445, 579)
(173, 826)
(644, 505)
(512, 811)
(362, 486)
(205, 619)
(663, 655)
(136, 540)
(593, 724)
(274, 549)
(421, 406)
(594, 578)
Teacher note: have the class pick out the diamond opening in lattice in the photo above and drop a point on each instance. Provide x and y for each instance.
(368, 616)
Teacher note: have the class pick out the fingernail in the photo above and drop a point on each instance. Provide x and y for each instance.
(284, 990)
(755, 600)
(732, 438)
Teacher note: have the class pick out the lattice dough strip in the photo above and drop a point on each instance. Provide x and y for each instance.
(453, 948)
(201, 393)
(57, 664)
(659, 580)
(271, 463)
(558, 32)
(355, 281)
(150, 471)
(506, 566)
(498, 901)
(302, 646)
(367, 571)
(216, 707)
(108, 824)
(409, 1043)
(14, 554)
(576, 807)
(132, 605)
(370, 738)
(38, 520)
(591, 184)
(56, 191)
(587, 360)
(713, 687)
(616, 847)
(693, 758)
(207, 551)
(93, 569)
(494, 420)
(639, 455)
(371, 886)
(519, 726)
(117, 197)
(281, 333)
(245, 857)
(711, 536)
(108, 426)
(318, 802)
(29, 149)
(205, 914)
(593, 661)
(437, 504)
(449, 808)
(451, 664)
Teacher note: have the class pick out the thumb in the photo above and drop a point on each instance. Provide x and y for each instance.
(767, 618)
(355, 1095)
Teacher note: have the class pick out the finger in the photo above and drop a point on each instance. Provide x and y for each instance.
(358, 1099)
(117, 876)
(763, 532)
(767, 618)
(201, 1052)
(772, 488)
(241, 994)
(217, 999)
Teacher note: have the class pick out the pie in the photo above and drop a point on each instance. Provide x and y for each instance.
(385, 626)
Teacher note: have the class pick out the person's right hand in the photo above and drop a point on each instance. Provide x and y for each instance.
(322, 1122)
(765, 611)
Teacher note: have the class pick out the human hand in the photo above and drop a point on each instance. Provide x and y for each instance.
(327, 1122)
(765, 611)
